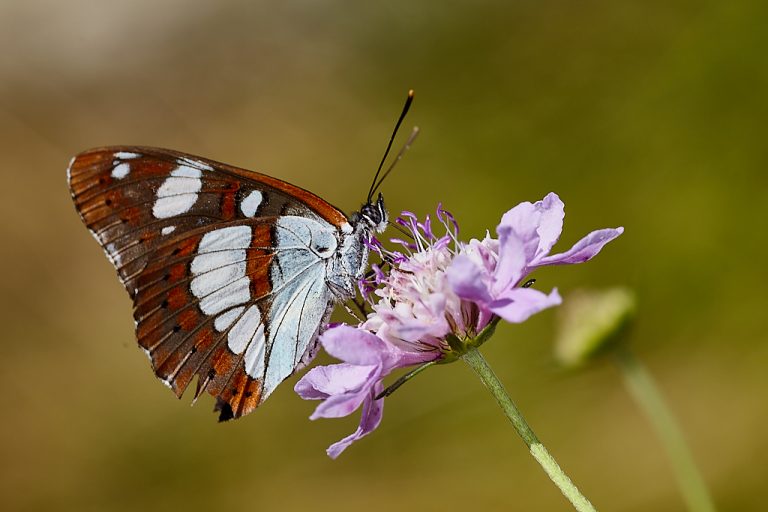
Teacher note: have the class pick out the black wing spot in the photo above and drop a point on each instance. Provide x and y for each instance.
(224, 410)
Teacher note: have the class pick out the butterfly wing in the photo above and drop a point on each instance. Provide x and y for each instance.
(226, 267)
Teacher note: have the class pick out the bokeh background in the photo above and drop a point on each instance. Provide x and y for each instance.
(646, 114)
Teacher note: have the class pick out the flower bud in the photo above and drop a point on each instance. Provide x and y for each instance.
(590, 321)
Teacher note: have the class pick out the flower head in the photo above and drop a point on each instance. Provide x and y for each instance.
(433, 297)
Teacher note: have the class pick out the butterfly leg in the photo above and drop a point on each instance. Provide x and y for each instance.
(342, 296)
(353, 313)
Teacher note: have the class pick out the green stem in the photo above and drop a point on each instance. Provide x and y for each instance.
(478, 363)
(647, 395)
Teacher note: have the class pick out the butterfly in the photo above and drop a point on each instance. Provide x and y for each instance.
(233, 274)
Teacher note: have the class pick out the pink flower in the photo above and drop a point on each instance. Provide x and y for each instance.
(437, 295)
(489, 273)
(344, 387)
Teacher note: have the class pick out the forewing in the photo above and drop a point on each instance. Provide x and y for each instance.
(201, 248)
(133, 198)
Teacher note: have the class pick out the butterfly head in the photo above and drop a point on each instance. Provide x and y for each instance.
(373, 215)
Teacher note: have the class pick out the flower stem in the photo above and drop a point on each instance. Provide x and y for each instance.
(478, 363)
(647, 395)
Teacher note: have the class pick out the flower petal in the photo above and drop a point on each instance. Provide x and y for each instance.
(410, 322)
(550, 223)
(370, 419)
(538, 225)
(584, 250)
(353, 345)
(468, 280)
(510, 268)
(428, 318)
(403, 353)
(338, 406)
(346, 402)
(323, 381)
(519, 304)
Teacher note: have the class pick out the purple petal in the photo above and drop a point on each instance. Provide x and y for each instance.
(352, 345)
(338, 406)
(414, 330)
(484, 317)
(584, 250)
(550, 223)
(538, 225)
(411, 323)
(521, 222)
(405, 353)
(512, 260)
(519, 304)
(468, 280)
(487, 251)
(442, 242)
(323, 381)
(370, 419)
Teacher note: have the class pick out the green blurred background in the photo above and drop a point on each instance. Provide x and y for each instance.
(649, 115)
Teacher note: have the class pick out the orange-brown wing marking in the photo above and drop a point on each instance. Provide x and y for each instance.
(181, 341)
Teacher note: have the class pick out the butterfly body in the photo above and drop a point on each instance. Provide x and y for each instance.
(233, 274)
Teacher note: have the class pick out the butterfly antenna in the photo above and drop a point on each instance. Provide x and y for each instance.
(400, 154)
(407, 106)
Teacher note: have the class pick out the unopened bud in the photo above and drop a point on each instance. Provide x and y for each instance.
(590, 321)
